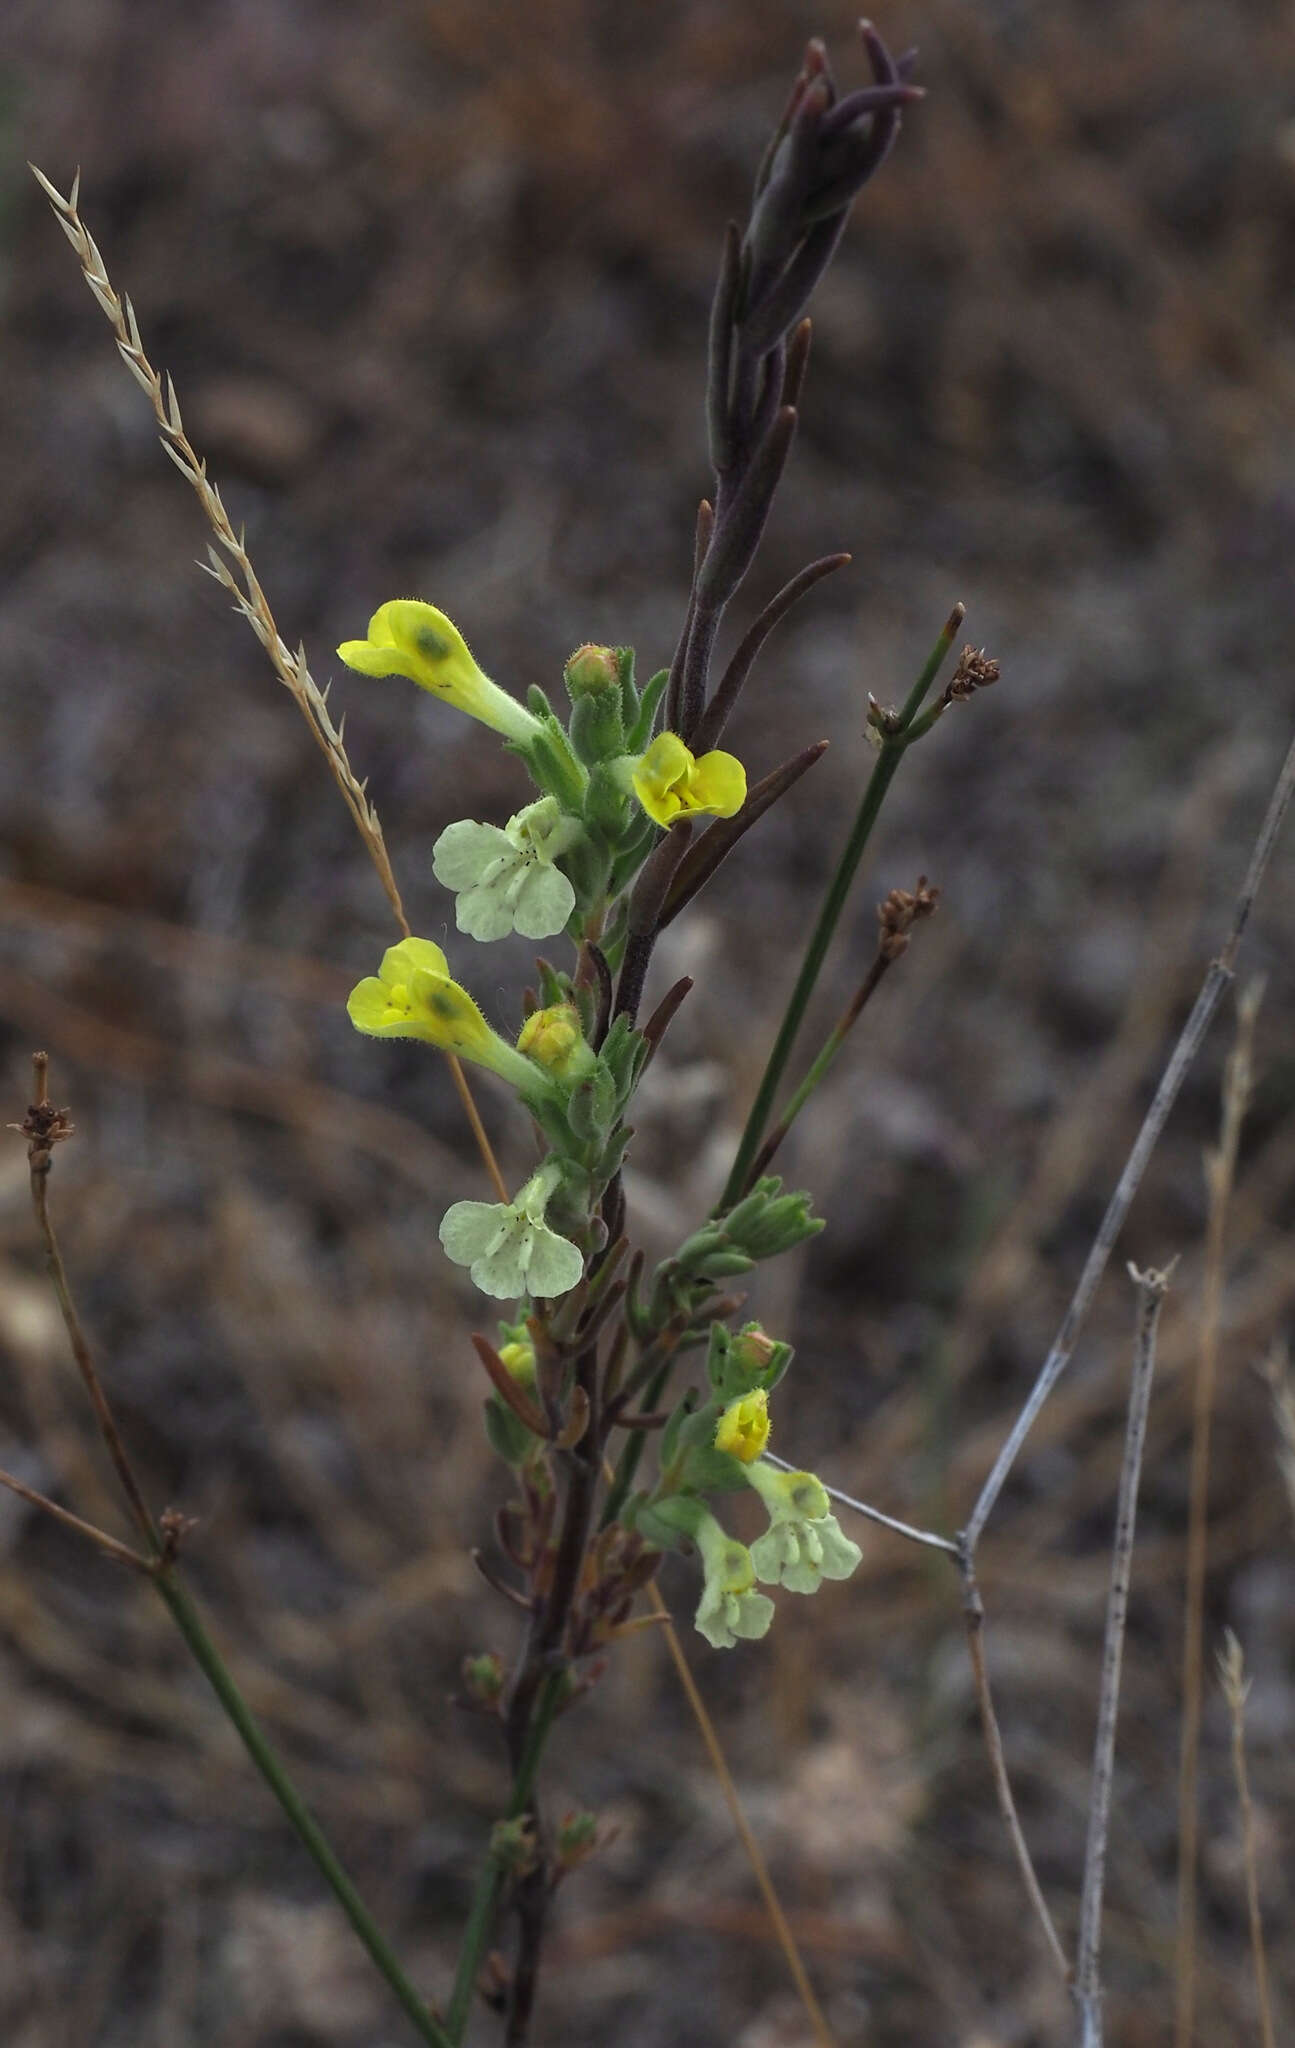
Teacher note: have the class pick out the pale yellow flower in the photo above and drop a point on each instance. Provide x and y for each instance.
(409, 638)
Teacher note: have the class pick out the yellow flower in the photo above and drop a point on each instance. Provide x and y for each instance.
(670, 782)
(409, 638)
(413, 996)
(554, 1038)
(743, 1429)
(519, 1360)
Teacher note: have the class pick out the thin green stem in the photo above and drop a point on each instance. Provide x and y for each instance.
(818, 1068)
(44, 1126)
(481, 1913)
(894, 743)
(205, 1654)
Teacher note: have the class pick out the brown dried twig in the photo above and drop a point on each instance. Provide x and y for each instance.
(120, 1552)
(44, 1126)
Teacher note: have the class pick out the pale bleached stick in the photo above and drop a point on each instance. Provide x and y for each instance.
(973, 1614)
(1151, 1287)
(861, 1507)
(1180, 1060)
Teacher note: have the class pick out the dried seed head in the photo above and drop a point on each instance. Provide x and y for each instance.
(900, 912)
(975, 671)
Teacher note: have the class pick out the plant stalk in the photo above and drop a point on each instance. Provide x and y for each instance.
(894, 743)
(481, 1914)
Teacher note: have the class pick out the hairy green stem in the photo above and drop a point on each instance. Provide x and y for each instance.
(895, 741)
(205, 1654)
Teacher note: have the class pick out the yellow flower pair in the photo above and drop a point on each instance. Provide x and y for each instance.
(409, 638)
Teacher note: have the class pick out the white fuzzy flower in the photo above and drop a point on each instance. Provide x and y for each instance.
(504, 876)
(509, 1248)
(729, 1606)
(804, 1543)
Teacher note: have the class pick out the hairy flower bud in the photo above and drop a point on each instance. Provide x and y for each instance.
(553, 1037)
(591, 671)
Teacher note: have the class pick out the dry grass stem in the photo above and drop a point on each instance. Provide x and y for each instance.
(737, 1813)
(43, 1127)
(1217, 979)
(249, 598)
(1220, 1173)
(1276, 1370)
(754, 1854)
(1235, 1688)
(109, 1545)
(1151, 1287)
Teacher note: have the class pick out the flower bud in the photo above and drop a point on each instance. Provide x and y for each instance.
(483, 1678)
(577, 1838)
(593, 679)
(753, 1350)
(513, 1846)
(553, 1038)
(590, 671)
(519, 1358)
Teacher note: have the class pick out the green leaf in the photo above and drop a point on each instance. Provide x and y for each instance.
(640, 732)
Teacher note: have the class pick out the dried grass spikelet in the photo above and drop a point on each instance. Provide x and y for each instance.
(1276, 1369)
(249, 598)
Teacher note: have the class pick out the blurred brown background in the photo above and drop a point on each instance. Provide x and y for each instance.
(432, 282)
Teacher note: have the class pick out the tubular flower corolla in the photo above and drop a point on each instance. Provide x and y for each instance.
(804, 1543)
(743, 1428)
(413, 996)
(409, 638)
(729, 1606)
